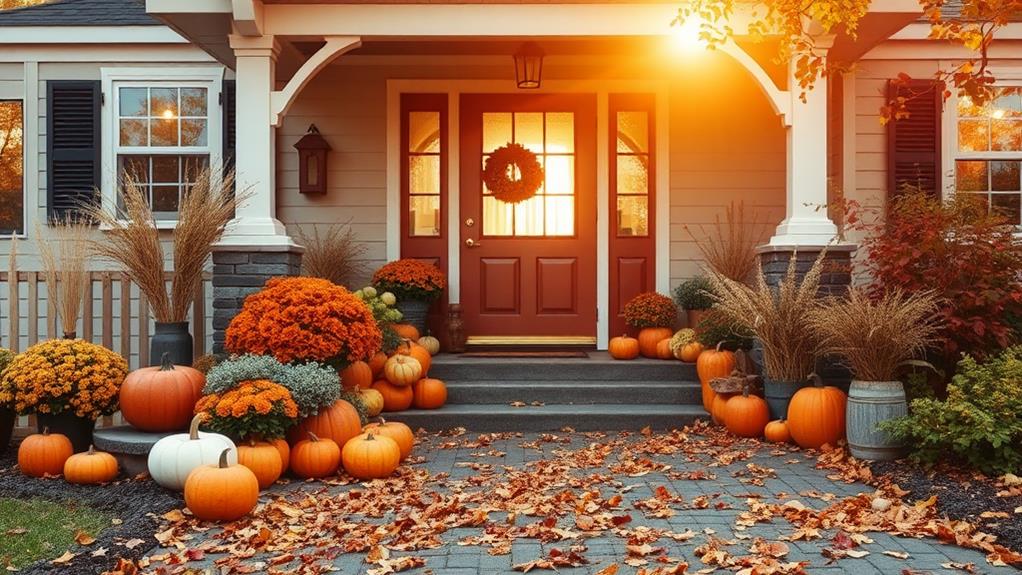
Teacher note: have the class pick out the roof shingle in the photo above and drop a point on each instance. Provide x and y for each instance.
(80, 13)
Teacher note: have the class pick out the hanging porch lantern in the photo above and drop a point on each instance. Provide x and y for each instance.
(529, 66)
(312, 150)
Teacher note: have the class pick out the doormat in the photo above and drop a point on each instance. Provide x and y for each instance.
(528, 354)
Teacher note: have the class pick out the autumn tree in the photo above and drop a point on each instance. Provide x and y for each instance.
(11, 167)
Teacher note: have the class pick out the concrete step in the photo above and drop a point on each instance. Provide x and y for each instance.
(573, 392)
(601, 417)
(598, 367)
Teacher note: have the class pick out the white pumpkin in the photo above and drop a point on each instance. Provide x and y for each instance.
(175, 456)
(431, 344)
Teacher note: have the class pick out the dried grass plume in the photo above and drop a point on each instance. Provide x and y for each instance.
(729, 246)
(335, 254)
(64, 255)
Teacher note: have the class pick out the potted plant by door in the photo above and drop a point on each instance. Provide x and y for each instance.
(654, 315)
(779, 318)
(132, 239)
(876, 338)
(67, 383)
(693, 296)
(416, 285)
(7, 414)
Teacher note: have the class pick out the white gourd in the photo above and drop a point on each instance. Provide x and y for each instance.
(175, 456)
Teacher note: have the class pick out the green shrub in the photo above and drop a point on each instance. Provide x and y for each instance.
(694, 294)
(979, 423)
(715, 328)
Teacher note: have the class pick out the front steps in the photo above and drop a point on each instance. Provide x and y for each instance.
(595, 394)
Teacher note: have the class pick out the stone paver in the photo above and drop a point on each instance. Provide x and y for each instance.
(795, 475)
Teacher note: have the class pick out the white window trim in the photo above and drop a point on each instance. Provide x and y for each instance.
(211, 77)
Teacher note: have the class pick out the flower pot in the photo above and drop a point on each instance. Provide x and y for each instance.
(414, 312)
(869, 404)
(172, 338)
(778, 395)
(694, 316)
(7, 419)
(77, 429)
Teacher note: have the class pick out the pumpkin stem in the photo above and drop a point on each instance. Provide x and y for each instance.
(223, 458)
(312, 436)
(369, 436)
(46, 430)
(720, 344)
(165, 363)
(193, 427)
(92, 449)
(816, 379)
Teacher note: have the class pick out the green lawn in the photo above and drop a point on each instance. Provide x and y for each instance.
(39, 529)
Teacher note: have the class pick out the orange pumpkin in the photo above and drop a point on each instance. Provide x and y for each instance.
(402, 369)
(649, 337)
(44, 453)
(623, 347)
(395, 397)
(713, 363)
(161, 398)
(719, 406)
(263, 459)
(221, 492)
(422, 354)
(339, 422)
(816, 415)
(370, 457)
(777, 431)
(663, 349)
(315, 457)
(358, 374)
(690, 352)
(406, 331)
(746, 415)
(399, 432)
(284, 449)
(429, 393)
(90, 467)
(377, 362)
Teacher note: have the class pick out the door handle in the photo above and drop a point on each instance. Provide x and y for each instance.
(472, 243)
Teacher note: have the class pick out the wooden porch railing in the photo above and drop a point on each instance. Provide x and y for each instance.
(115, 315)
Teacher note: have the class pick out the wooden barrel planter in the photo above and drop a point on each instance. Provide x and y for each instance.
(869, 404)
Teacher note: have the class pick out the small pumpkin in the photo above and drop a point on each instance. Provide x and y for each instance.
(663, 349)
(376, 363)
(429, 393)
(284, 449)
(162, 398)
(44, 453)
(689, 352)
(370, 456)
(623, 347)
(430, 344)
(314, 458)
(358, 374)
(395, 397)
(263, 458)
(816, 415)
(222, 492)
(399, 432)
(649, 337)
(422, 354)
(402, 369)
(406, 331)
(746, 415)
(777, 431)
(711, 364)
(90, 467)
(372, 399)
(172, 458)
(338, 421)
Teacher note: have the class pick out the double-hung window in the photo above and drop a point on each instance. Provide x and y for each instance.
(988, 150)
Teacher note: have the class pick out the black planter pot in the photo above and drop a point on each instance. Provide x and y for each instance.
(778, 395)
(7, 419)
(174, 339)
(414, 312)
(77, 429)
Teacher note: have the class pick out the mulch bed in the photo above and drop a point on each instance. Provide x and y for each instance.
(960, 496)
(137, 503)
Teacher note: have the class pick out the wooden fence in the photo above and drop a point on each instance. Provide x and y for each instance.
(115, 315)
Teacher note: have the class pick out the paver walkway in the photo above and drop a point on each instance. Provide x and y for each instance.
(691, 496)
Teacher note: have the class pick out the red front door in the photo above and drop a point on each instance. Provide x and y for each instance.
(528, 270)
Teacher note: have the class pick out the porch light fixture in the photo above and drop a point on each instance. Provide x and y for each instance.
(312, 150)
(529, 66)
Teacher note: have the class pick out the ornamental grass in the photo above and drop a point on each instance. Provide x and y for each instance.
(132, 239)
(334, 255)
(650, 309)
(876, 337)
(64, 266)
(63, 375)
(410, 279)
(729, 246)
(779, 317)
(257, 408)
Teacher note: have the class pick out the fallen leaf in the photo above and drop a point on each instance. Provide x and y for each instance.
(83, 538)
(65, 558)
(133, 543)
(898, 554)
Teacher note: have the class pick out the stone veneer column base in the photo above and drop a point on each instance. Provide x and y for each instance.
(241, 270)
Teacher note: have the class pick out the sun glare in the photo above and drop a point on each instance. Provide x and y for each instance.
(685, 36)
(168, 114)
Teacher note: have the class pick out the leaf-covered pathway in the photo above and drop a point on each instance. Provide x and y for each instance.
(686, 502)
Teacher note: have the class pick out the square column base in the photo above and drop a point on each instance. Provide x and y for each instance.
(837, 264)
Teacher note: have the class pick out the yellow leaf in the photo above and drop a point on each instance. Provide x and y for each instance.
(65, 558)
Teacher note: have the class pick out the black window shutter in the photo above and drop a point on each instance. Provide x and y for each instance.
(914, 143)
(72, 146)
(229, 125)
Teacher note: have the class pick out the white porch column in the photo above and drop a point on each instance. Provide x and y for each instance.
(255, 222)
(806, 221)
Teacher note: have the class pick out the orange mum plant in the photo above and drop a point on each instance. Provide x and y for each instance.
(410, 279)
(256, 408)
(650, 309)
(299, 319)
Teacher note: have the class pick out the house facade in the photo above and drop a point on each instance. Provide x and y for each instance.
(644, 138)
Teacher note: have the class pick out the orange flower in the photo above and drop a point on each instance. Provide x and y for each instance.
(650, 310)
(411, 279)
(256, 407)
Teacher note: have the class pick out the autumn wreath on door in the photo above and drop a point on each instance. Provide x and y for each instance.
(512, 173)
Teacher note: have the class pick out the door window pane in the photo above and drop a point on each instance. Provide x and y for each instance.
(529, 131)
(498, 217)
(12, 168)
(632, 132)
(560, 133)
(424, 174)
(496, 130)
(424, 132)
(632, 175)
(560, 215)
(631, 182)
(424, 215)
(632, 216)
(529, 217)
(560, 175)
(424, 177)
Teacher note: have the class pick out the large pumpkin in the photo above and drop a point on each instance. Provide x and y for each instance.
(429, 393)
(395, 397)
(746, 415)
(358, 374)
(689, 352)
(339, 422)
(376, 363)
(406, 331)
(718, 408)
(816, 415)
(777, 431)
(402, 369)
(372, 400)
(315, 457)
(713, 363)
(175, 456)
(623, 347)
(649, 337)
(284, 449)
(399, 432)
(370, 457)
(222, 492)
(663, 349)
(44, 453)
(263, 459)
(162, 398)
(90, 467)
(430, 343)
